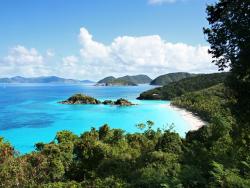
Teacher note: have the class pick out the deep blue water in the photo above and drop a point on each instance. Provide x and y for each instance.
(29, 113)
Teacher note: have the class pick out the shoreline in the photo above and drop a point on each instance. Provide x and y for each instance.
(194, 121)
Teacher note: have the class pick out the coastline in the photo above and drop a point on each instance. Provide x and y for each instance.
(194, 121)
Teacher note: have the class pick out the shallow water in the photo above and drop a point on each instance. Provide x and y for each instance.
(30, 113)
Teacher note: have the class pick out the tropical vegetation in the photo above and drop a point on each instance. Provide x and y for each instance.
(125, 80)
(175, 89)
(215, 155)
(170, 77)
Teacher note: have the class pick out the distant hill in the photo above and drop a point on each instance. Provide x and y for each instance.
(175, 89)
(108, 79)
(137, 79)
(125, 80)
(112, 81)
(42, 79)
(87, 82)
(171, 77)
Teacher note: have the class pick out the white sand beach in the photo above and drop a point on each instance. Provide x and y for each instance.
(194, 121)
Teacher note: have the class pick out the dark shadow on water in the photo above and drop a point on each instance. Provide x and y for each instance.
(34, 120)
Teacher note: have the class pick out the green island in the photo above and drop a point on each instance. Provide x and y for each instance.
(84, 99)
(80, 99)
(215, 155)
(124, 80)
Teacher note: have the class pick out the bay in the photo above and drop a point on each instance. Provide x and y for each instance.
(30, 113)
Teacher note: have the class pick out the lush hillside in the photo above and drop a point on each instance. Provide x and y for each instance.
(214, 156)
(180, 87)
(43, 79)
(154, 158)
(137, 79)
(206, 103)
(98, 158)
(106, 80)
(171, 77)
(112, 81)
(125, 80)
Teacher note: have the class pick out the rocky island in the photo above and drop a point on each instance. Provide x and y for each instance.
(84, 99)
(80, 99)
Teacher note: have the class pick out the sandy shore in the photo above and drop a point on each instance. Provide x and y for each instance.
(194, 121)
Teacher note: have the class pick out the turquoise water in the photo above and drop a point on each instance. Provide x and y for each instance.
(30, 113)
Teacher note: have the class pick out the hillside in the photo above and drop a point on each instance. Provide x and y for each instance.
(106, 80)
(87, 81)
(206, 103)
(137, 79)
(111, 81)
(125, 80)
(42, 79)
(185, 85)
(171, 77)
(152, 158)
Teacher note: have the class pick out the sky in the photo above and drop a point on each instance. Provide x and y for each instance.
(92, 39)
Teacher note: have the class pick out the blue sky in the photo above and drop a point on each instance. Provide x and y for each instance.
(54, 25)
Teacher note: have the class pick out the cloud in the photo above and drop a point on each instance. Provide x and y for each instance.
(91, 50)
(161, 1)
(146, 54)
(23, 61)
(21, 55)
(149, 55)
(69, 60)
(50, 53)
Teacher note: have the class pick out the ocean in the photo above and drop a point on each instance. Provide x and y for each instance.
(30, 113)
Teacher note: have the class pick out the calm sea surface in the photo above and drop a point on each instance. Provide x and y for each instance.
(29, 113)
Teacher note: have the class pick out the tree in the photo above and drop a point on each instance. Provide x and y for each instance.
(170, 142)
(229, 37)
(103, 131)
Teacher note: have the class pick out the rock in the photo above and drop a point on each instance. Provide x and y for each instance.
(108, 102)
(123, 102)
(84, 99)
(80, 99)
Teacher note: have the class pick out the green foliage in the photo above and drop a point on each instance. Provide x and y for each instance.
(171, 77)
(207, 103)
(81, 99)
(99, 158)
(226, 177)
(5, 150)
(117, 81)
(120, 81)
(169, 142)
(65, 136)
(229, 37)
(137, 79)
(126, 80)
(184, 86)
(215, 155)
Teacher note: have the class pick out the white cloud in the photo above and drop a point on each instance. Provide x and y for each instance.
(161, 1)
(146, 54)
(91, 50)
(50, 53)
(149, 55)
(69, 60)
(23, 61)
(21, 55)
